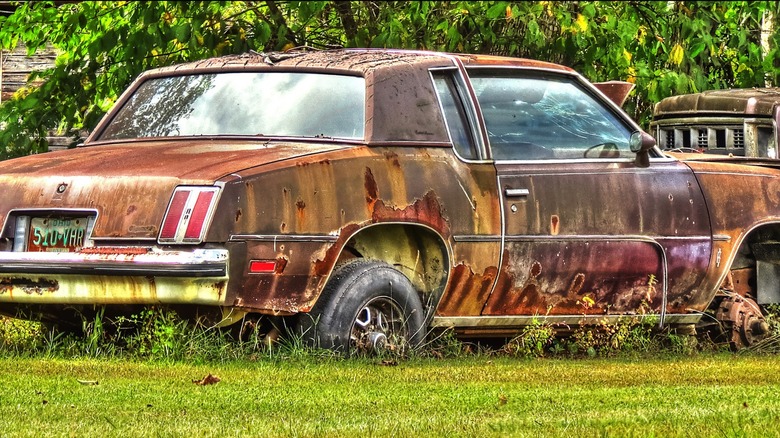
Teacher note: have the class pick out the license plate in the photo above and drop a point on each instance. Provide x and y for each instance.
(57, 234)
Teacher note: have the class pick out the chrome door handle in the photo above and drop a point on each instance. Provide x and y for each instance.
(515, 193)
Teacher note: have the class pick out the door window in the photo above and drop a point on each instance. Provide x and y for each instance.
(547, 117)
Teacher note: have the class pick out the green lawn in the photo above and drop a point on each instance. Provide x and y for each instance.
(703, 395)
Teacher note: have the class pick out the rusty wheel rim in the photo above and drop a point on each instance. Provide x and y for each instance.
(379, 326)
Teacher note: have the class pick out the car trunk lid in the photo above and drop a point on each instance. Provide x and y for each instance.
(127, 185)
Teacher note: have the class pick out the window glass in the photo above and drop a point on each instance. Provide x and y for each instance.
(268, 104)
(547, 117)
(454, 114)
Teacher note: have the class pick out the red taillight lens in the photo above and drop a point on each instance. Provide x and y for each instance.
(172, 218)
(188, 215)
(198, 216)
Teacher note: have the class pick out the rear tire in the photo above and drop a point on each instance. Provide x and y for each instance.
(367, 307)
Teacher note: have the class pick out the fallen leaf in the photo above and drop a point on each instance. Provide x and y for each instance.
(502, 399)
(210, 379)
(389, 362)
(88, 382)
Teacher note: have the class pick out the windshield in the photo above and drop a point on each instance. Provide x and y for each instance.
(265, 104)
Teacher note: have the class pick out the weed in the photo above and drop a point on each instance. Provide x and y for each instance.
(20, 337)
(444, 343)
(159, 334)
(533, 341)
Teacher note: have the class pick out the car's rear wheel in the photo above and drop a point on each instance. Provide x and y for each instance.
(367, 307)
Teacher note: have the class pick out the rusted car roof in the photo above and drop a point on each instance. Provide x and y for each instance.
(398, 110)
(355, 60)
(757, 101)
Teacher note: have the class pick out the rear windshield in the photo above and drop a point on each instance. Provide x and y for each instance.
(263, 104)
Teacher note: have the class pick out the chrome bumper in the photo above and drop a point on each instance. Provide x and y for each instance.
(115, 276)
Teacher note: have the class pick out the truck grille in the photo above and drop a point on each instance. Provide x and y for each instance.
(718, 139)
(739, 138)
(704, 140)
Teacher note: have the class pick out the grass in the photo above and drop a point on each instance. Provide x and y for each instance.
(703, 395)
(625, 379)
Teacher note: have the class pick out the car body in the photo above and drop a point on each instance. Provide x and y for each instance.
(738, 122)
(367, 197)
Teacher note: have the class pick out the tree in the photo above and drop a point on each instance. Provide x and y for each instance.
(664, 47)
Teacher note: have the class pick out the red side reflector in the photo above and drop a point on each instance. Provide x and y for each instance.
(174, 214)
(262, 266)
(198, 217)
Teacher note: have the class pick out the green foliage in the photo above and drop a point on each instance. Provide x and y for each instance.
(536, 340)
(20, 337)
(665, 48)
(625, 337)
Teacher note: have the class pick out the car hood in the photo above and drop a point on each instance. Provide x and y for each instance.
(753, 101)
(129, 185)
(717, 158)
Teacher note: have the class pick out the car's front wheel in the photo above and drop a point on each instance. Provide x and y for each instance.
(367, 307)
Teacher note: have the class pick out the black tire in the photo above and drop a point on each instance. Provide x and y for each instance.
(367, 307)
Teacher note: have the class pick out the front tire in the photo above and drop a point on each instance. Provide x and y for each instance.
(367, 307)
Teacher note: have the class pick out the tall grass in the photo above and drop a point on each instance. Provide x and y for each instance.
(159, 334)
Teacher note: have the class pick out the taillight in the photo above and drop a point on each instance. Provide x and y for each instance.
(188, 215)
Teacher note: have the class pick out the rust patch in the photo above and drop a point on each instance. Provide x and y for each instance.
(300, 213)
(131, 209)
(322, 267)
(393, 158)
(239, 213)
(281, 263)
(554, 225)
(738, 281)
(372, 192)
(427, 210)
(467, 291)
(576, 284)
(28, 285)
(536, 270)
(102, 250)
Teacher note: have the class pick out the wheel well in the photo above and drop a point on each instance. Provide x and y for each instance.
(418, 252)
(758, 257)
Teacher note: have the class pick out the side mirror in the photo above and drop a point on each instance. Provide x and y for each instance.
(641, 143)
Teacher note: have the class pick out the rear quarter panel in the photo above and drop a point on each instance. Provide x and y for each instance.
(302, 213)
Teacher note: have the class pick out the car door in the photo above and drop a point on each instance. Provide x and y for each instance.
(587, 232)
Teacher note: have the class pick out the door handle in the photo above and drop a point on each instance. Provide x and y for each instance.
(516, 193)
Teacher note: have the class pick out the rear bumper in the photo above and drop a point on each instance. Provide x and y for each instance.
(115, 276)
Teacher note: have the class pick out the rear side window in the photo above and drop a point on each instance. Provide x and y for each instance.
(547, 117)
(244, 103)
(455, 116)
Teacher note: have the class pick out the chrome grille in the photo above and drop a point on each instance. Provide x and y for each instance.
(739, 138)
(669, 139)
(704, 140)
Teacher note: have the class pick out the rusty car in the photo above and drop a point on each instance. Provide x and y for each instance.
(369, 197)
(737, 122)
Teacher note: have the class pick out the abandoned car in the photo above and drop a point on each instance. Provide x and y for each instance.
(737, 122)
(367, 197)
